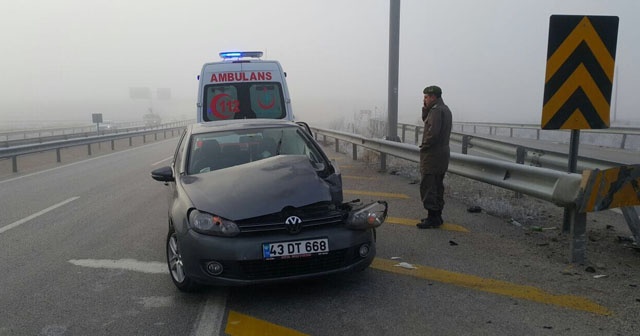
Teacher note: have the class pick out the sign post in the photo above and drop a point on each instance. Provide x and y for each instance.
(97, 119)
(577, 91)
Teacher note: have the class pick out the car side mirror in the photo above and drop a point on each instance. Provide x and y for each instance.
(164, 174)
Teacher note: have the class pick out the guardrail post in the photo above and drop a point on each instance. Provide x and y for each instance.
(144, 138)
(474, 129)
(324, 139)
(404, 130)
(465, 143)
(633, 220)
(383, 162)
(58, 158)
(155, 136)
(490, 130)
(521, 153)
(14, 163)
(537, 134)
(337, 145)
(89, 149)
(113, 145)
(511, 132)
(130, 141)
(354, 151)
(578, 235)
(624, 140)
(416, 134)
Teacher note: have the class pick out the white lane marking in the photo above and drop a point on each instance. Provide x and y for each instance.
(156, 301)
(82, 161)
(161, 161)
(153, 267)
(39, 213)
(211, 316)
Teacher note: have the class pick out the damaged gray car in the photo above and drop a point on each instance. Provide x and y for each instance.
(258, 201)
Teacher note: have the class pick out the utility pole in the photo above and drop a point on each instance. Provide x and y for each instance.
(394, 47)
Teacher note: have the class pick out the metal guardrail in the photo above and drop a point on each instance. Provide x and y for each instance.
(550, 185)
(560, 188)
(494, 127)
(23, 137)
(503, 150)
(14, 152)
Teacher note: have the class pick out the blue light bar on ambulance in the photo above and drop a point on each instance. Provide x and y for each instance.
(239, 54)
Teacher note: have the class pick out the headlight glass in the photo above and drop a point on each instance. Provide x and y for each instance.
(370, 216)
(207, 223)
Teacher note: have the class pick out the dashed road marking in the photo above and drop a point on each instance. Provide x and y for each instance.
(239, 324)
(161, 161)
(212, 314)
(153, 267)
(413, 222)
(492, 286)
(374, 193)
(37, 214)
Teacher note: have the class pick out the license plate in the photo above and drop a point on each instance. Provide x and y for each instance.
(299, 248)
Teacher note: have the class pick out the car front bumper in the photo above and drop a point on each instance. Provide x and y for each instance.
(243, 263)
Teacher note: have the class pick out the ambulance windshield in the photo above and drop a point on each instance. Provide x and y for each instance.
(243, 101)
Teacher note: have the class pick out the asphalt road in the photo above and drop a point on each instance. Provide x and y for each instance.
(82, 253)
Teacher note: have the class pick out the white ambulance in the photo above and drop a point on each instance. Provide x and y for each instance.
(242, 86)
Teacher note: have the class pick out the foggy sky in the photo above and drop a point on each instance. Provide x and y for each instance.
(66, 59)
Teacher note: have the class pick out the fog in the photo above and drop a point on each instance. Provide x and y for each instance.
(64, 60)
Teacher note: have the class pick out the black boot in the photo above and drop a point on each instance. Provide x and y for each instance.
(434, 220)
(438, 217)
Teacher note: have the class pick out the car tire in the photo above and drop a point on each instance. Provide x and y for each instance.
(176, 267)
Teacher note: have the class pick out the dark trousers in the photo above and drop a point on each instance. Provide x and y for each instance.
(432, 191)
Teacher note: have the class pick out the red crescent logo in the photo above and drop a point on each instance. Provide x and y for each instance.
(264, 106)
(214, 106)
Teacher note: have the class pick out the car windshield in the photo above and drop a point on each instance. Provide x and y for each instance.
(219, 150)
(244, 101)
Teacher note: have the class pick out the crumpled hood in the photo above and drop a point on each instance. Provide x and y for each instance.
(257, 188)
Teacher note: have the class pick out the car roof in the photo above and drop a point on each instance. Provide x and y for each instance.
(234, 124)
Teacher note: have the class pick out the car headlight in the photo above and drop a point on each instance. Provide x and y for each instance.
(371, 216)
(206, 223)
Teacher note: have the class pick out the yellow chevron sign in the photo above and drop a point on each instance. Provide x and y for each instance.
(579, 77)
(611, 188)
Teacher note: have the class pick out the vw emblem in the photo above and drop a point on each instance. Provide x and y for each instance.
(293, 224)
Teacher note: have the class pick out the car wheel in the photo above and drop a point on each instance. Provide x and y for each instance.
(176, 268)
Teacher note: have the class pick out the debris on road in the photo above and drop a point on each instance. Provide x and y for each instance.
(626, 239)
(474, 209)
(405, 265)
(598, 276)
(452, 243)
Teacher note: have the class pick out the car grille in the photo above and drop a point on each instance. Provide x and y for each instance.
(268, 269)
(314, 215)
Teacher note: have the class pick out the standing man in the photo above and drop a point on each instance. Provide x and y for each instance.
(434, 155)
